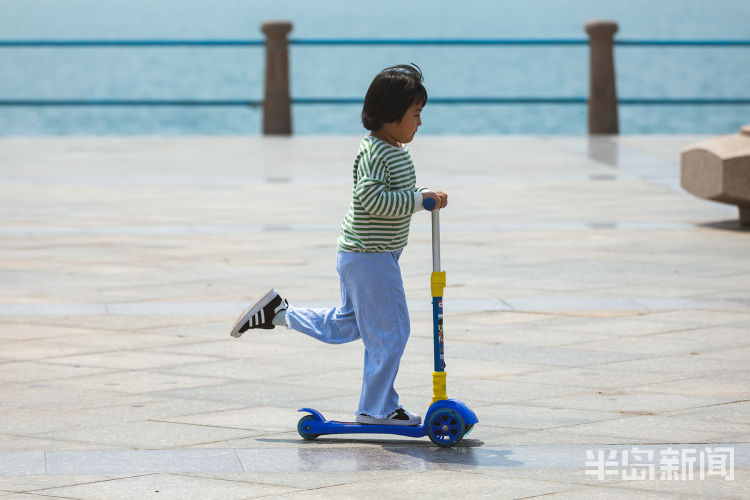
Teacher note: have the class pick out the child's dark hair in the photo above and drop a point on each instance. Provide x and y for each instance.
(391, 93)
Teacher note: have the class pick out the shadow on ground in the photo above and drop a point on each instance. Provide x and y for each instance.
(389, 454)
(726, 225)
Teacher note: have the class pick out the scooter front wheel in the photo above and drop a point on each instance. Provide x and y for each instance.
(303, 427)
(445, 427)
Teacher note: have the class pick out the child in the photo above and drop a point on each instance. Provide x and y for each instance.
(373, 235)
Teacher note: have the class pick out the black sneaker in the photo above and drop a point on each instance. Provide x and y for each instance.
(398, 417)
(260, 315)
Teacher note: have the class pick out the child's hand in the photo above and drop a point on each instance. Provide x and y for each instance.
(441, 199)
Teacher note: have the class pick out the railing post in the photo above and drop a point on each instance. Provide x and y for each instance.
(277, 113)
(602, 92)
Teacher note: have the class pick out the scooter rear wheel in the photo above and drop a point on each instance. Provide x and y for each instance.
(445, 427)
(303, 427)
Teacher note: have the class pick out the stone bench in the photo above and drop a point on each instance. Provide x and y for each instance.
(718, 169)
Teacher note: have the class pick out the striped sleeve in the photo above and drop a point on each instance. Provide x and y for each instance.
(372, 189)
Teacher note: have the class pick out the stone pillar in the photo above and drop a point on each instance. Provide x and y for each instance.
(602, 92)
(718, 169)
(277, 113)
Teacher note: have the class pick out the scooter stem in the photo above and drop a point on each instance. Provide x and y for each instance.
(437, 282)
(436, 243)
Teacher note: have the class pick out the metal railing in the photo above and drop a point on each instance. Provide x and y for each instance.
(366, 41)
(277, 101)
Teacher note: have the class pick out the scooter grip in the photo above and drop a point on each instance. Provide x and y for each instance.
(428, 204)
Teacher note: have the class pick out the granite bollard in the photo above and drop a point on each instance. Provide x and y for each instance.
(602, 112)
(277, 114)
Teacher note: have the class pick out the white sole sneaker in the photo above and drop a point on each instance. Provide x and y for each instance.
(258, 315)
(392, 419)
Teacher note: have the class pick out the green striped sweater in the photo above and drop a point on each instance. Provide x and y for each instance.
(384, 198)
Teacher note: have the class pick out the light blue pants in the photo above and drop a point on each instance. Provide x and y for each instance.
(373, 308)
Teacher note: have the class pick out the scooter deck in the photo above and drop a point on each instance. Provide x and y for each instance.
(319, 425)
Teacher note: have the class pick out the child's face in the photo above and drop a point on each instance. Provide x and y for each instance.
(403, 130)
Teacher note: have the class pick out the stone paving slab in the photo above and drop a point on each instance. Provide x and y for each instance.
(322, 457)
(591, 303)
(22, 463)
(168, 486)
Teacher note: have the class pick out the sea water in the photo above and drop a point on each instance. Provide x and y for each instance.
(345, 71)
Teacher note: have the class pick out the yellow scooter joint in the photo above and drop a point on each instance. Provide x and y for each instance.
(438, 283)
(438, 386)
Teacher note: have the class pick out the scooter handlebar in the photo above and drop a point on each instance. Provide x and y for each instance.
(428, 204)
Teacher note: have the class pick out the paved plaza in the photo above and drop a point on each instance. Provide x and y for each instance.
(597, 320)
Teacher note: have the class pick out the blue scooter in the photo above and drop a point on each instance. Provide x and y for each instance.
(447, 420)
